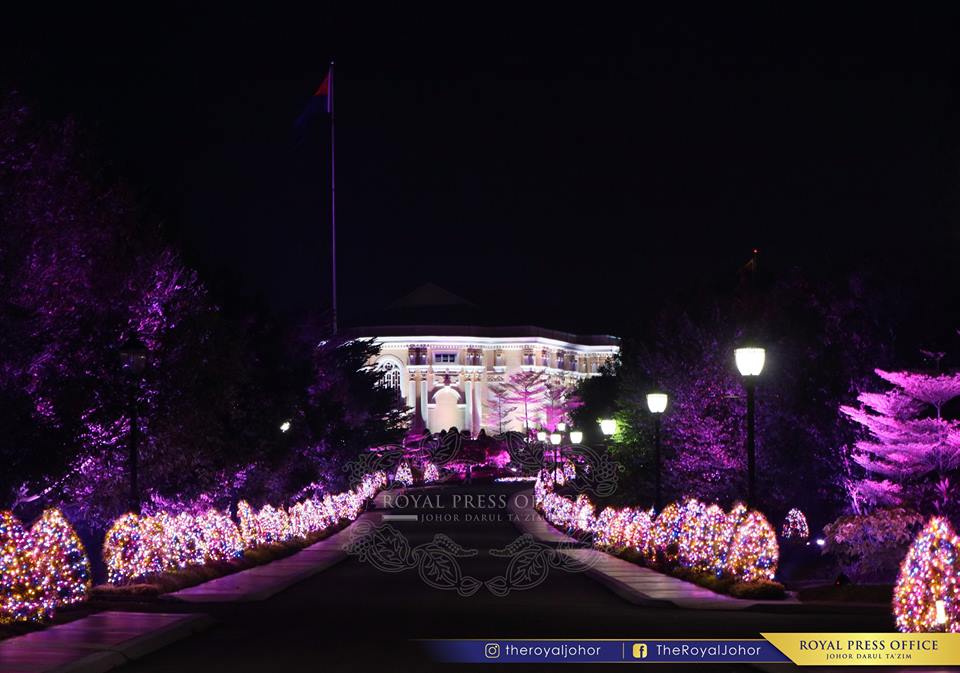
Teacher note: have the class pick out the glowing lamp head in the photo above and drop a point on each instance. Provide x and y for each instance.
(541, 435)
(750, 360)
(941, 608)
(284, 426)
(608, 426)
(576, 436)
(561, 427)
(657, 402)
(555, 438)
(821, 542)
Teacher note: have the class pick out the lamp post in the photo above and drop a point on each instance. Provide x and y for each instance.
(133, 360)
(555, 439)
(657, 404)
(576, 437)
(750, 363)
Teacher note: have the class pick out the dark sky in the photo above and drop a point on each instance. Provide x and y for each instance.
(581, 164)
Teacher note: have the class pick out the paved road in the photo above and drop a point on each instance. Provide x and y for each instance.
(353, 617)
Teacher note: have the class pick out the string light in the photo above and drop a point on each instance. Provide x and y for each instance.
(136, 547)
(403, 475)
(753, 553)
(739, 543)
(24, 590)
(795, 526)
(926, 597)
(60, 558)
(430, 473)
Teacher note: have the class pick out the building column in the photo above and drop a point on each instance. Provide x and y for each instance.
(412, 393)
(468, 409)
(478, 396)
(423, 400)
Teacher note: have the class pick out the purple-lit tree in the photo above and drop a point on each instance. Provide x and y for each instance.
(822, 338)
(498, 409)
(559, 403)
(81, 270)
(911, 449)
(526, 389)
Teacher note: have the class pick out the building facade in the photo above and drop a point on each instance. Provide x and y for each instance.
(444, 373)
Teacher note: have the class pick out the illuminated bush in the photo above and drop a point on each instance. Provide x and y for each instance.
(24, 591)
(274, 525)
(795, 526)
(249, 524)
(693, 548)
(219, 535)
(60, 558)
(583, 518)
(664, 535)
(138, 546)
(753, 552)
(403, 475)
(703, 538)
(926, 597)
(122, 549)
(430, 473)
(637, 531)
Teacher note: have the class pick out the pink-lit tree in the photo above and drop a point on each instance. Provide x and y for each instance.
(499, 410)
(559, 402)
(910, 449)
(527, 391)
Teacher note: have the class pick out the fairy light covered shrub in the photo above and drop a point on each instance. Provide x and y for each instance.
(753, 552)
(24, 590)
(926, 597)
(430, 473)
(61, 558)
(403, 476)
(795, 526)
(740, 544)
(139, 546)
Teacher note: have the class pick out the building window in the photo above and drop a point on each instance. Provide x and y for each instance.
(444, 358)
(389, 374)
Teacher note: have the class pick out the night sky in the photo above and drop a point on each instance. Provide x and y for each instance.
(583, 165)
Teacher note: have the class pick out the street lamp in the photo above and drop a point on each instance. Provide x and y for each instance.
(576, 436)
(608, 426)
(657, 404)
(561, 427)
(541, 435)
(133, 360)
(750, 363)
(555, 439)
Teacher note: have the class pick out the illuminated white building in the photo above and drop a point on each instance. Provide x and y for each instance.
(443, 372)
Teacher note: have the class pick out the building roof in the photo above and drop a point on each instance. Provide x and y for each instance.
(482, 332)
(432, 311)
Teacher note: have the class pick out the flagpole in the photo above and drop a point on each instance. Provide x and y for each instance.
(333, 208)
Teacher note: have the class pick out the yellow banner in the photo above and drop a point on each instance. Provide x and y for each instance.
(869, 649)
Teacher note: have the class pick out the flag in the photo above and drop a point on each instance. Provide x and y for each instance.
(323, 92)
(322, 99)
